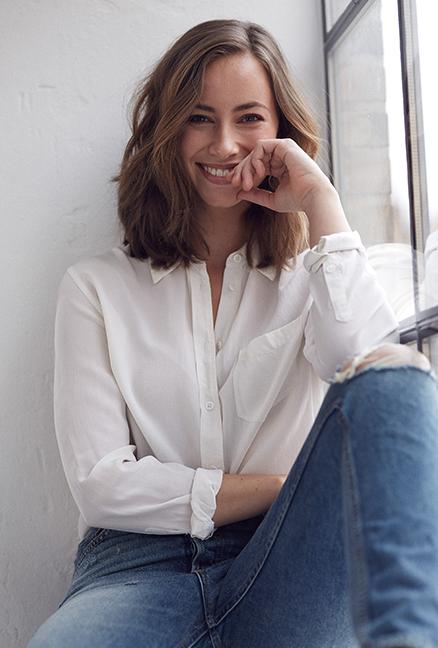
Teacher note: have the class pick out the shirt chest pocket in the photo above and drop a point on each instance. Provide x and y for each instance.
(266, 371)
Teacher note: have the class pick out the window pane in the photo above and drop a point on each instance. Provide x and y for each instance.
(333, 10)
(369, 145)
(429, 286)
(430, 349)
(427, 15)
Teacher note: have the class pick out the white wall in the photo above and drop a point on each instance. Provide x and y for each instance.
(67, 70)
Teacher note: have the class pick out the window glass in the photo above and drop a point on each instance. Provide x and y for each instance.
(368, 145)
(427, 15)
(333, 10)
(429, 285)
(430, 349)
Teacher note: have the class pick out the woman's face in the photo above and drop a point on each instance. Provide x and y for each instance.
(236, 109)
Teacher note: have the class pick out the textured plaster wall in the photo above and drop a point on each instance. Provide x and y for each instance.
(67, 70)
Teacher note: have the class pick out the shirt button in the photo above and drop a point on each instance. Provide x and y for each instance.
(237, 258)
(331, 267)
(219, 345)
(209, 405)
(231, 287)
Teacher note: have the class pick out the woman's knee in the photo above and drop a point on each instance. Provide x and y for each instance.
(383, 355)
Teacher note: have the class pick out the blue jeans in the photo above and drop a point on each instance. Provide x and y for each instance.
(346, 556)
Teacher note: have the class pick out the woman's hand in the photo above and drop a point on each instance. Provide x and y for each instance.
(302, 185)
(244, 496)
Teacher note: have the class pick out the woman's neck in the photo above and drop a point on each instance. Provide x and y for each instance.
(224, 232)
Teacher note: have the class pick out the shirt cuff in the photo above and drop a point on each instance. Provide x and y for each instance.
(339, 242)
(206, 485)
(333, 270)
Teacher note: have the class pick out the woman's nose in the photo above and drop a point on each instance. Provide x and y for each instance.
(224, 143)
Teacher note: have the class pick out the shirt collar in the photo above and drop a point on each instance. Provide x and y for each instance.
(159, 273)
(270, 272)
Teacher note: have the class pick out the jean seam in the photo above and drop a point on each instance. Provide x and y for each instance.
(210, 619)
(97, 540)
(194, 637)
(219, 554)
(354, 539)
(208, 625)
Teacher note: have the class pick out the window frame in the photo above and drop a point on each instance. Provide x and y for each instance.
(424, 324)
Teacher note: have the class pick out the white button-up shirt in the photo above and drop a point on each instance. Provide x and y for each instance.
(153, 402)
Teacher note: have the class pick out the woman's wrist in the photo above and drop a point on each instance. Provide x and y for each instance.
(325, 214)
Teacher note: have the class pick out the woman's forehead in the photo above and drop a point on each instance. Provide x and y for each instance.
(240, 77)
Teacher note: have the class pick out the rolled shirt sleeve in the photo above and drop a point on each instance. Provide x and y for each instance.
(114, 487)
(350, 310)
(206, 485)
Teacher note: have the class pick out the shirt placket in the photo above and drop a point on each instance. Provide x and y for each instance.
(231, 296)
(211, 428)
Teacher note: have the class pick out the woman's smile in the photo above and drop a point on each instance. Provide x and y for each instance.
(216, 173)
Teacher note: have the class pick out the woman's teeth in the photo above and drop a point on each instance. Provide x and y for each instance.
(220, 173)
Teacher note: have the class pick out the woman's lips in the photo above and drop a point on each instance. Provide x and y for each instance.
(216, 174)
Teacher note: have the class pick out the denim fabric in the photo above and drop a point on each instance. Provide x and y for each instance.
(351, 542)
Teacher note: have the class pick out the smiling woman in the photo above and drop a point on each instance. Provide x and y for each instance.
(153, 176)
(189, 370)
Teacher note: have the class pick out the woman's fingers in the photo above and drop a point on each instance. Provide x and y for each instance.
(269, 157)
(250, 173)
(259, 197)
(255, 167)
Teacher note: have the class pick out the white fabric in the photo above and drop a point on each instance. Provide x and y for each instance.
(429, 296)
(153, 403)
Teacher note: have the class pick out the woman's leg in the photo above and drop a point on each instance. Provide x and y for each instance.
(128, 590)
(371, 459)
(370, 465)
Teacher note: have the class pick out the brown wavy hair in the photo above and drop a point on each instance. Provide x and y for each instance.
(155, 194)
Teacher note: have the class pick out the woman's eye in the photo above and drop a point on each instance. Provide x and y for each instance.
(198, 119)
(248, 119)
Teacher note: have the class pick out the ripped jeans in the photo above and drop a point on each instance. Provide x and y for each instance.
(347, 555)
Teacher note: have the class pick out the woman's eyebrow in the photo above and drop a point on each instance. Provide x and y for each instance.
(251, 104)
(246, 106)
(204, 108)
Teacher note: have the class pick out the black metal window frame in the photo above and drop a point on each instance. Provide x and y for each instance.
(424, 324)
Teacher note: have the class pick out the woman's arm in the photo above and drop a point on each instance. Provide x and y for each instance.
(112, 486)
(349, 310)
(244, 496)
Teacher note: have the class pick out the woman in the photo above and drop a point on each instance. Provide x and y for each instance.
(189, 367)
